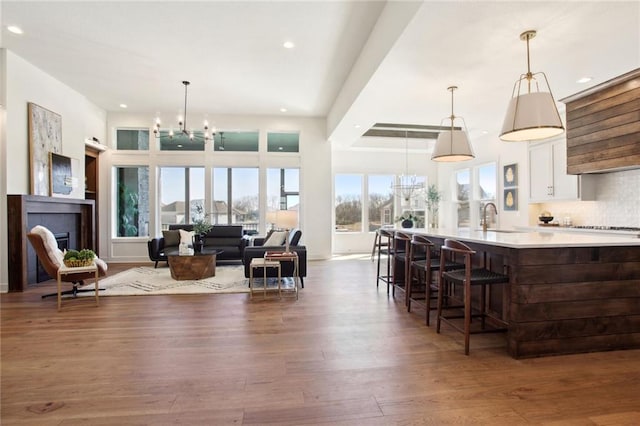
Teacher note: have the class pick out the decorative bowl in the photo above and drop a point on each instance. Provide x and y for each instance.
(545, 219)
(77, 263)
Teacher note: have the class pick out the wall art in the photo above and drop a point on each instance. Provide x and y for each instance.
(45, 136)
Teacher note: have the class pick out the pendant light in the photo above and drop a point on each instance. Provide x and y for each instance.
(453, 144)
(532, 112)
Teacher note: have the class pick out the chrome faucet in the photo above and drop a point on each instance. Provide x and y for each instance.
(484, 215)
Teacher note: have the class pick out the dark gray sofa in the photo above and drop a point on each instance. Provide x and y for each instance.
(228, 238)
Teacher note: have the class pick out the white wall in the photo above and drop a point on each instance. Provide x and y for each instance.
(314, 161)
(26, 83)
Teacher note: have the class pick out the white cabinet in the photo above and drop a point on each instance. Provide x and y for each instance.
(548, 178)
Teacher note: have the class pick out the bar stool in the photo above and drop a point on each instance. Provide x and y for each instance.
(467, 278)
(401, 247)
(384, 246)
(426, 267)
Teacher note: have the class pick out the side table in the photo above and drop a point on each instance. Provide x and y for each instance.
(66, 270)
(283, 256)
(259, 263)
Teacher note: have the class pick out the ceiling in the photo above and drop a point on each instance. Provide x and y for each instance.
(355, 62)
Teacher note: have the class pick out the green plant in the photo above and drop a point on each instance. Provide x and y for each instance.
(407, 215)
(200, 221)
(201, 226)
(433, 198)
(84, 254)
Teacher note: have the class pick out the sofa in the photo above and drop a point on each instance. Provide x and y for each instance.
(228, 238)
(258, 249)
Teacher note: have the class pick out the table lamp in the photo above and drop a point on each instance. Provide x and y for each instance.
(287, 220)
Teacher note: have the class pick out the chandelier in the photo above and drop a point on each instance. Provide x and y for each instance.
(407, 186)
(199, 136)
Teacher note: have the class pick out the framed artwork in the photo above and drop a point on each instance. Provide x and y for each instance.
(60, 177)
(510, 201)
(45, 136)
(510, 175)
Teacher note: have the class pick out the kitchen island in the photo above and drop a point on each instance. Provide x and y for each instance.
(567, 293)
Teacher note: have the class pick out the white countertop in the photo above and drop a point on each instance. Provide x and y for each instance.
(527, 239)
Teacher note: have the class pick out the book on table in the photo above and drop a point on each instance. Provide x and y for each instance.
(280, 255)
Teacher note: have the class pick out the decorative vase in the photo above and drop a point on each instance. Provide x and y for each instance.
(198, 243)
(434, 218)
(407, 223)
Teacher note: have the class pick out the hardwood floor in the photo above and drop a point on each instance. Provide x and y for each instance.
(344, 353)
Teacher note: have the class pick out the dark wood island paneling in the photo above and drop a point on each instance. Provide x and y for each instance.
(563, 300)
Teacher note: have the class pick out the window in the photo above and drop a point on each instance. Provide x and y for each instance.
(348, 203)
(380, 207)
(132, 197)
(181, 142)
(283, 192)
(235, 197)
(283, 142)
(181, 195)
(462, 196)
(236, 141)
(485, 192)
(132, 139)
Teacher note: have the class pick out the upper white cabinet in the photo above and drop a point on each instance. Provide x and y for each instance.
(548, 178)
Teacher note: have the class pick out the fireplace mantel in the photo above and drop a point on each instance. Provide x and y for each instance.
(23, 213)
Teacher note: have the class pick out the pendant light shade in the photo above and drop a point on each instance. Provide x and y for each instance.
(532, 113)
(453, 144)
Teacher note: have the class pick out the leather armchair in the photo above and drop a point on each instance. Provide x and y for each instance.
(258, 250)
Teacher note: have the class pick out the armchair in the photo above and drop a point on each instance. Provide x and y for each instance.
(51, 258)
(258, 250)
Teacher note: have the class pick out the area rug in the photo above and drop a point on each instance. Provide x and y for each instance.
(146, 280)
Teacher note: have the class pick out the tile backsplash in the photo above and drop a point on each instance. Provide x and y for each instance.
(617, 202)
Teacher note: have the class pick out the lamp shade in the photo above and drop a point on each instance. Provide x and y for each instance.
(531, 116)
(452, 145)
(286, 219)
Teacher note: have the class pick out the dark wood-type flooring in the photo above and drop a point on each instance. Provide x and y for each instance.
(344, 353)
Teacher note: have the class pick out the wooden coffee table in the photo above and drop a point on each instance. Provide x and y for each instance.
(199, 266)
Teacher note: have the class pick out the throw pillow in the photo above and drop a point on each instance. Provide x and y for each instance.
(171, 238)
(186, 236)
(50, 244)
(276, 238)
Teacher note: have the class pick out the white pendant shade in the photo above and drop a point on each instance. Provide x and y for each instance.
(531, 116)
(532, 113)
(452, 145)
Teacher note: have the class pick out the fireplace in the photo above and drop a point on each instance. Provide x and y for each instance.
(71, 220)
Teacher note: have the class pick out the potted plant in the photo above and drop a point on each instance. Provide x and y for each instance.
(406, 219)
(433, 200)
(200, 229)
(75, 258)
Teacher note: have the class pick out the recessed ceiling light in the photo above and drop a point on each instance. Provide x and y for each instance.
(583, 80)
(485, 132)
(288, 45)
(15, 29)
(356, 126)
(123, 105)
(283, 110)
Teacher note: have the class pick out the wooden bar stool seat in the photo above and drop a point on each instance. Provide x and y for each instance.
(466, 278)
(423, 289)
(384, 248)
(402, 258)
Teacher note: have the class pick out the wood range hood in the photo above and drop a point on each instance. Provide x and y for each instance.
(603, 126)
